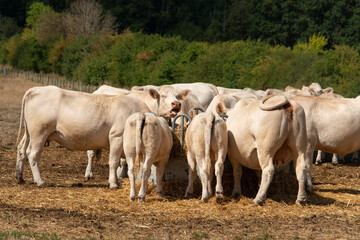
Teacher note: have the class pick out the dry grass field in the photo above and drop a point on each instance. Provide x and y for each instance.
(70, 208)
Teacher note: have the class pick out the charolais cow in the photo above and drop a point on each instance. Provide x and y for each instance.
(76, 120)
(266, 134)
(331, 124)
(147, 138)
(206, 140)
(204, 92)
(165, 103)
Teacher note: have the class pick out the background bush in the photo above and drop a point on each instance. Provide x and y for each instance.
(129, 59)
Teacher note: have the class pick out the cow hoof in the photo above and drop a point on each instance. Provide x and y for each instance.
(188, 196)
(259, 202)
(20, 181)
(160, 194)
(113, 186)
(219, 195)
(301, 201)
(141, 199)
(132, 199)
(41, 185)
(204, 200)
(235, 195)
(318, 163)
(88, 178)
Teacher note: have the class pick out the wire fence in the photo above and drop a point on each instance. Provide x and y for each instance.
(49, 79)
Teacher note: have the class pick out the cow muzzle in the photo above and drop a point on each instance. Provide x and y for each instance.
(175, 108)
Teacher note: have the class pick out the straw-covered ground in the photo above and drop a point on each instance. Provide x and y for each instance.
(70, 208)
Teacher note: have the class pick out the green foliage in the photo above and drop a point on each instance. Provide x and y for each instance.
(36, 10)
(3, 52)
(93, 70)
(129, 59)
(75, 52)
(316, 44)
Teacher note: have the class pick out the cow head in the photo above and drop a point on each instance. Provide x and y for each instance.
(168, 100)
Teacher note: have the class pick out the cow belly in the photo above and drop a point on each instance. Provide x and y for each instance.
(80, 142)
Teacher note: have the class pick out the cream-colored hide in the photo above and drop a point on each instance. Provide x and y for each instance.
(206, 141)
(264, 140)
(76, 120)
(332, 124)
(146, 138)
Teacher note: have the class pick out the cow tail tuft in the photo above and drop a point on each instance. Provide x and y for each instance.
(140, 120)
(207, 135)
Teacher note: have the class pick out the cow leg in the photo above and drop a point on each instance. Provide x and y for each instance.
(145, 176)
(308, 163)
(116, 148)
(300, 169)
(130, 159)
(335, 159)
(21, 157)
(121, 171)
(210, 180)
(219, 170)
(159, 175)
(33, 153)
(204, 167)
(192, 175)
(319, 157)
(237, 172)
(355, 157)
(268, 169)
(91, 154)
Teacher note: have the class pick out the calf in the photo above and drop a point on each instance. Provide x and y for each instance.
(148, 138)
(206, 139)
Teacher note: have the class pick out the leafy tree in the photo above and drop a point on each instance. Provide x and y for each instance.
(8, 27)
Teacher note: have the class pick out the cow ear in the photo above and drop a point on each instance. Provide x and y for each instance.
(220, 109)
(154, 94)
(184, 94)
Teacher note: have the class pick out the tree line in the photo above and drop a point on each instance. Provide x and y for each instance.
(81, 44)
(284, 22)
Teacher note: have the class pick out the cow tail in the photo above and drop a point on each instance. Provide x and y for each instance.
(22, 120)
(140, 122)
(207, 135)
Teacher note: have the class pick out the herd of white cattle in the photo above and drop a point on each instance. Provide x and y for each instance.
(264, 130)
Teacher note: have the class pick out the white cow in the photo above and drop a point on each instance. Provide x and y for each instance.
(76, 120)
(147, 138)
(206, 140)
(332, 124)
(264, 135)
(165, 103)
(204, 92)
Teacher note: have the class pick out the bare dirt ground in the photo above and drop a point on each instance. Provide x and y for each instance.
(70, 208)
